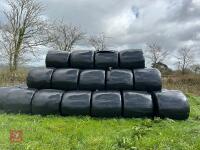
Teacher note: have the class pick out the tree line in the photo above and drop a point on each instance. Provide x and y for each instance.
(25, 30)
(184, 58)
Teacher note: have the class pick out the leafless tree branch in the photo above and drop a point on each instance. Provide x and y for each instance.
(184, 58)
(98, 42)
(156, 53)
(23, 31)
(63, 36)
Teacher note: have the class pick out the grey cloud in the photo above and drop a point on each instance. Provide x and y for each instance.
(133, 23)
(184, 10)
(86, 13)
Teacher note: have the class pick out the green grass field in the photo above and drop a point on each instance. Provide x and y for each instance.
(56, 132)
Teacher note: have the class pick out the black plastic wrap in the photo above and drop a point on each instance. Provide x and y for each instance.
(106, 104)
(82, 59)
(47, 102)
(92, 80)
(65, 79)
(3, 96)
(131, 58)
(76, 103)
(106, 59)
(118, 79)
(22, 86)
(137, 104)
(57, 59)
(172, 104)
(147, 79)
(16, 100)
(39, 78)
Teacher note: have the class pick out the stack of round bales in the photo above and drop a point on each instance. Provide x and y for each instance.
(100, 84)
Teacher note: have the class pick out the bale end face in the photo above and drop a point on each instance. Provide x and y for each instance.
(148, 79)
(76, 103)
(65, 79)
(137, 104)
(57, 59)
(106, 104)
(16, 100)
(172, 104)
(47, 102)
(39, 78)
(131, 59)
(106, 59)
(92, 80)
(118, 79)
(82, 59)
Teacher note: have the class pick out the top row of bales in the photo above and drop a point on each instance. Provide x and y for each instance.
(88, 59)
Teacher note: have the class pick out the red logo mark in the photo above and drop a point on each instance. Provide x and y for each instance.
(16, 136)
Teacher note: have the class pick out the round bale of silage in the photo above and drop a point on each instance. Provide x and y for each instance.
(39, 78)
(118, 79)
(76, 103)
(82, 59)
(47, 102)
(3, 96)
(16, 100)
(172, 104)
(137, 104)
(57, 59)
(106, 59)
(22, 86)
(131, 59)
(106, 104)
(65, 79)
(148, 79)
(92, 80)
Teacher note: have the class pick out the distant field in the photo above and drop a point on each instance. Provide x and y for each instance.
(60, 133)
(8, 79)
(186, 83)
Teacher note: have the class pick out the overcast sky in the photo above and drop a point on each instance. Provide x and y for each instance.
(132, 23)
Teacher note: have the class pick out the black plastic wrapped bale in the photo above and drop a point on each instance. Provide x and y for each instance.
(22, 86)
(65, 79)
(39, 78)
(131, 58)
(3, 96)
(76, 103)
(106, 59)
(118, 79)
(147, 79)
(83, 59)
(137, 104)
(47, 102)
(57, 59)
(106, 104)
(92, 80)
(16, 100)
(172, 104)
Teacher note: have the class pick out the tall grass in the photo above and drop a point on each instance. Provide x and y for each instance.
(8, 79)
(189, 83)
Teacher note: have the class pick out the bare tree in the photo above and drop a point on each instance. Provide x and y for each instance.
(195, 68)
(22, 32)
(184, 59)
(156, 53)
(64, 37)
(98, 42)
